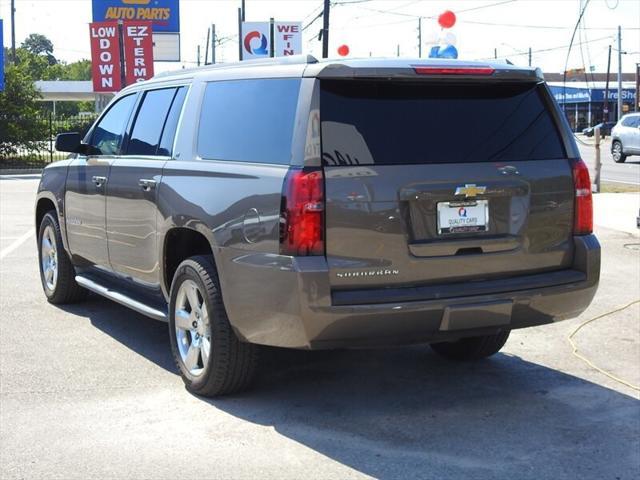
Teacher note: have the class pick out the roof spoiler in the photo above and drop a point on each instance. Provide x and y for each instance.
(427, 71)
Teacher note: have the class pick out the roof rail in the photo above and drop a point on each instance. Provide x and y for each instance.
(288, 60)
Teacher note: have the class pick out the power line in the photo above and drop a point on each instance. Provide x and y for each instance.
(480, 7)
(566, 62)
(550, 49)
(545, 27)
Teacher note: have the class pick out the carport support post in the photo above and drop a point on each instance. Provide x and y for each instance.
(51, 137)
(596, 135)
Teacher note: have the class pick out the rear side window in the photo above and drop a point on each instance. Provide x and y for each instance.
(248, 120)
(631, 121)
(171, 125)
(149, 122)
(368, 122)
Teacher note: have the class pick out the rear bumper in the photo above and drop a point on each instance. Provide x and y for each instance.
(287, 301)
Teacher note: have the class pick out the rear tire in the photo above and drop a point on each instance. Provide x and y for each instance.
(211, 359)
(471, 348)
(617, 152)
(57, 275)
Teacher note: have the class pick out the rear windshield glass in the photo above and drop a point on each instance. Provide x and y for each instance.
(367, 122)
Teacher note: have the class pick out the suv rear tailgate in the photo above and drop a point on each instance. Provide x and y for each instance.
(431, 183)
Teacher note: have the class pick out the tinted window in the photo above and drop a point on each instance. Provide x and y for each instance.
(248, 120)
(147, 128)
(403, 123)
(631, 121)
(108, 133)
(170, 126)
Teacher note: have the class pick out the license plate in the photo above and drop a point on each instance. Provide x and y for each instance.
(463, 217)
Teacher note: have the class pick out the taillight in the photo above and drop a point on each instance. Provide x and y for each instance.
(438, 70)
(302, 213)
(583, 208)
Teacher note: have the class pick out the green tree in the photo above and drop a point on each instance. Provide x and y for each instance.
(21, 129)
(36, 66)
(80, 70)
(40, 45)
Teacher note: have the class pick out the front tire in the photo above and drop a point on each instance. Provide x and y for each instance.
(617, 153)
(211, 359)
(472, 348)
(57, 275)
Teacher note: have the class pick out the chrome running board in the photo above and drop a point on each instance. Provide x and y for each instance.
(121, 298)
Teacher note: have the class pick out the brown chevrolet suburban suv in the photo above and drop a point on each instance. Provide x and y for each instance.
(309, 205)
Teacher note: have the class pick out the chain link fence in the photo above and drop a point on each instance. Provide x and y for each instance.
(28, 142)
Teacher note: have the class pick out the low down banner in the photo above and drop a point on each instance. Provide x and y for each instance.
(106, 55)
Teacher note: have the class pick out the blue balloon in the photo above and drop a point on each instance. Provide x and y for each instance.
(448, 51)
(433, 53)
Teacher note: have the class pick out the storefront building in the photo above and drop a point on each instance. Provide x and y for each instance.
(584, 103)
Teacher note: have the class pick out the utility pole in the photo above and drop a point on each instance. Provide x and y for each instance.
(637, 106)
(206, 48)
(325, 28)
(240, 34)
(272, 38)
(241, 18)
(13, 31)
(529, 56)
(619, 72)
(495, 53)
(198, 55)
(123, 76)
(213, 43)
(398, 50)
(419, 37)
(605, 112)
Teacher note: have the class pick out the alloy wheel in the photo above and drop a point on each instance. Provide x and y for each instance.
(617, 151)
(49, 258)
(193, 331)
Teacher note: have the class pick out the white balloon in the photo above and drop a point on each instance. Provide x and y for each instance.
(431, 36)
(448, 38)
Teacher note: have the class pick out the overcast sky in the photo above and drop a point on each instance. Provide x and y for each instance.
(377, 27)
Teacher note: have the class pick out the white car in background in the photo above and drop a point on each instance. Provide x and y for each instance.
(625, 137)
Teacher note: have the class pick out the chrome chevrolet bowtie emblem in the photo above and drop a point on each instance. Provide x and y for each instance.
(470, 190)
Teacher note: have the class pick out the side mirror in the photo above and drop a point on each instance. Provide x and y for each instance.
(69, 142)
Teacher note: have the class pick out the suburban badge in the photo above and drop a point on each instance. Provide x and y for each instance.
(369, 273)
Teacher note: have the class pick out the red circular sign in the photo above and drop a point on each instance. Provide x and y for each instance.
(343, 50)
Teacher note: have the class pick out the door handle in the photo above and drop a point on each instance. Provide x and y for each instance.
(147, 184)
(99, 181)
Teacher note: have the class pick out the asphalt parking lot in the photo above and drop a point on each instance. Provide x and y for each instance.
(90, 391)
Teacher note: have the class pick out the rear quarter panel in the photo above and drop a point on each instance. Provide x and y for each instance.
(236, 206)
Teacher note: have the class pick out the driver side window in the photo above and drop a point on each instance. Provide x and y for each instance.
(107, 135)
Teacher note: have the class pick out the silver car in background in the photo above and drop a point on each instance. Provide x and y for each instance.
(625, 137)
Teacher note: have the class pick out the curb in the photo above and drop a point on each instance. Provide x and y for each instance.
(20, 171)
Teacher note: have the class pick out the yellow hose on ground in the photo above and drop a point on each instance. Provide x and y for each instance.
(589, 362)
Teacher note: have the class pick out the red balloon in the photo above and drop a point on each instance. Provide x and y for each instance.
(343, 50)
(447, 19)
